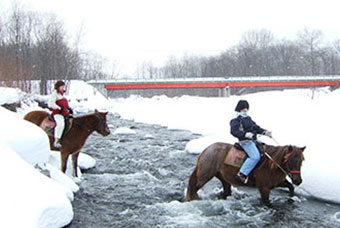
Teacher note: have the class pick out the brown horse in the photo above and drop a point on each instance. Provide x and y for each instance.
(74, 138)
(269, 173)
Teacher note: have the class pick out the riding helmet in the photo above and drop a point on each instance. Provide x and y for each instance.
(242, 104)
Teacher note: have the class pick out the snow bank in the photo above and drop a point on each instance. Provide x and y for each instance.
(196, 146)
(10, 95)
(65, 181)
(29, 141)
(28, 198)
(85, 98)
(38, 200)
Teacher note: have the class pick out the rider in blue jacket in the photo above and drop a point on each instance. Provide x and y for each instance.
(245, 129)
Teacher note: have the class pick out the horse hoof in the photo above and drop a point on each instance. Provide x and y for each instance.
(267, 203)
(294, 199)
(77, 180)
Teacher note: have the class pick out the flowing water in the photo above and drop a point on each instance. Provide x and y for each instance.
(140, 181)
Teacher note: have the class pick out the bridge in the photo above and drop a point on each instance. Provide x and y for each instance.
(209, 87)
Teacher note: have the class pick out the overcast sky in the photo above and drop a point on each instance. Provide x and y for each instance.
(132, 31)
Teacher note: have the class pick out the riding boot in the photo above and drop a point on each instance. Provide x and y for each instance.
(241, 177)
(57, 143)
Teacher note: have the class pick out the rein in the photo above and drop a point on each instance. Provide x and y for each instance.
(289, 174)
(280, 167)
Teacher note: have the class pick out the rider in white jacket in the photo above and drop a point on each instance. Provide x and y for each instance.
(60, 109)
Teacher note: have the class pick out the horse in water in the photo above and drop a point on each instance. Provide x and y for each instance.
(75, 136)
(270, 172)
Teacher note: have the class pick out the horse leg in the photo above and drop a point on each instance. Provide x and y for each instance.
(226, 186)
(286, 184)
(75, 163)
(64, 158)
(264, 191)
(192, 187)
(198, 179)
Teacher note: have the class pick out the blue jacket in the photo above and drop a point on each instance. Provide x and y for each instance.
(241, 125)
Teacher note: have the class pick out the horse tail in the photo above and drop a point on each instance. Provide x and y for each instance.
(192, 187)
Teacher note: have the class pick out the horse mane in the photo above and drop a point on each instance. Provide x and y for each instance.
(86, 120)
(83, 117)
(281, 153)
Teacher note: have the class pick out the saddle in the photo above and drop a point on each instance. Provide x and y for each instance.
(48, 125)
(236, 155)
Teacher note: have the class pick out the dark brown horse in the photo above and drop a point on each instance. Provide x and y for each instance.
(74, 138)
(286, 160)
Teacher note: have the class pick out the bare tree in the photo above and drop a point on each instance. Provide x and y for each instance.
(258, 53)
(336, 45)
(94, 66)
(311, 40)
(286, 55)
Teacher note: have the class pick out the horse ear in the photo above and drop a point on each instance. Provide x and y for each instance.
(290, 148)
(303, 148)
(105, 113)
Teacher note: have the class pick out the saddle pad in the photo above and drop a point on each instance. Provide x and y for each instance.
(235, 157)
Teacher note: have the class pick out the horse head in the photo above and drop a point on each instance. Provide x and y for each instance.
(292, 163)
(101, 126)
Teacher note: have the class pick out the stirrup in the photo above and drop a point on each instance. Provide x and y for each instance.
(57, 144)
(241, 177)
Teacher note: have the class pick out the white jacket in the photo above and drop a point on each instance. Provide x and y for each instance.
(53, 98)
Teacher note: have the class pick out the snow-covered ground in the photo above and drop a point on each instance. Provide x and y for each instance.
(292, 115)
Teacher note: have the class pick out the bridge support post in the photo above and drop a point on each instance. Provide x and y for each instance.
(225, 92)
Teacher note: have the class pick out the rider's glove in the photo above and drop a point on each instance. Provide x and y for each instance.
(268, 133)
(249, 135)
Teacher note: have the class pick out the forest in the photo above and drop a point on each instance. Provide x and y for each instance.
(36, 46)
(258, 53)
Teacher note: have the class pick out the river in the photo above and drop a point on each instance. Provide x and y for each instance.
(140, 181)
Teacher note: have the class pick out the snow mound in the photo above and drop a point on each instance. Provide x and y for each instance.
(337, 216)
(25, 138)
(196, 146)
(124, 131)
(85, 98)
(12, 95)
(85, 161)
(39, 200)
(28, 198)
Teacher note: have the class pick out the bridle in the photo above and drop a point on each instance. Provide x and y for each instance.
(287, 171)
(101, 121)
(290, 172)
